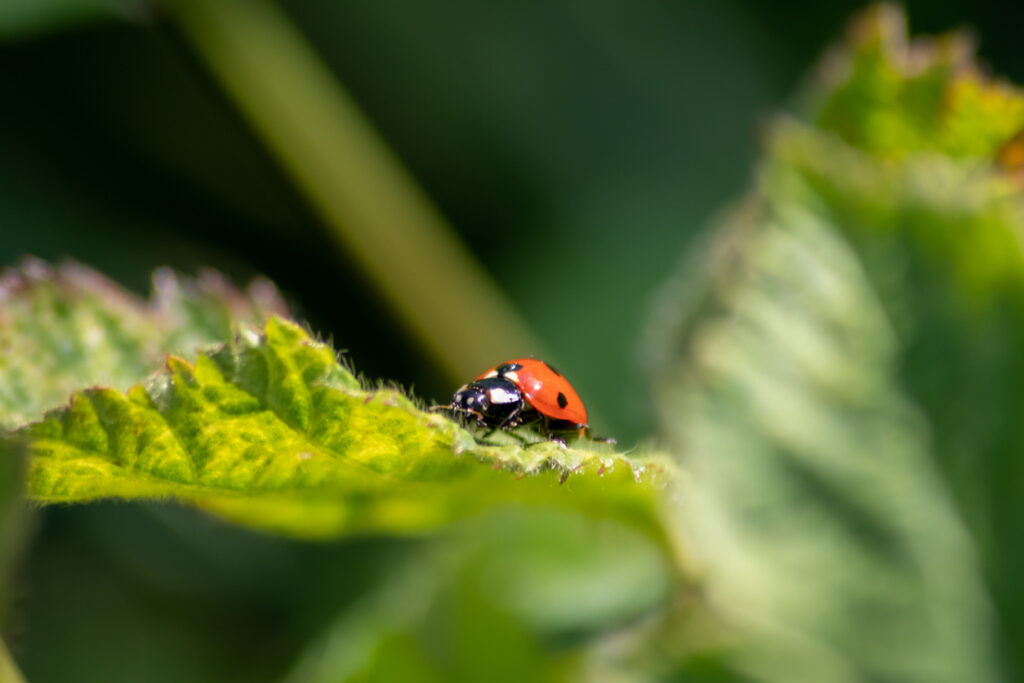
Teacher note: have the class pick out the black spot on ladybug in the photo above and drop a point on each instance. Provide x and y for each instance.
(562, 400)
(509, 367)
(551, 368)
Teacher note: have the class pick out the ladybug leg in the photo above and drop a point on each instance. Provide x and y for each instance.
(447, 410)
(549, 434)
(585, 431)
(545, 431)
(460, 414)
(513, 419)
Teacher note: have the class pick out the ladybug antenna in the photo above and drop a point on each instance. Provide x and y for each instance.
(457, 412)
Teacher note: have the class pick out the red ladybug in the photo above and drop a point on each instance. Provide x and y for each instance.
(522, 391)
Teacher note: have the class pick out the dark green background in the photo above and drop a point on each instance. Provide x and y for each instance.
(576, 147)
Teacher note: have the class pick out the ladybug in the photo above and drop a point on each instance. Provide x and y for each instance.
(522, 391)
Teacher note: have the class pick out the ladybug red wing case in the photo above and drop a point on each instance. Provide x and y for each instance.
(543, 387)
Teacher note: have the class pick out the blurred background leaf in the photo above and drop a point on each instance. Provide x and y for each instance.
(19, 18)
(13, 517)
(14, 529)
(68, 327)
(940, 239)
(506, 598)
(844, 378)
(816, 512)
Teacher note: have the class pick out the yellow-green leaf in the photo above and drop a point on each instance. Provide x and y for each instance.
(272, 431)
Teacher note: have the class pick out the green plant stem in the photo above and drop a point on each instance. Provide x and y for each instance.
(371, 205)
(8, 670)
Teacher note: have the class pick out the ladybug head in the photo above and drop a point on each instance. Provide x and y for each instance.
(491, 401)
(471, 399)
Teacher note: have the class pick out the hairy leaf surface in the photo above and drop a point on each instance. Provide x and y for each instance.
(272, 431)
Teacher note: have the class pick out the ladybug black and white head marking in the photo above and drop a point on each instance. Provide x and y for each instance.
(492, 401)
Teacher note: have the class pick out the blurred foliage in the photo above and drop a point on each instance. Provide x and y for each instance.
(808, 461)
(13, 530)
(12, 516)
(837, 366)
(68, 327)
(8, 670)
(892, 99)
(845, 382)
(503, 600)
(367, 200)
(25, 17)
(941, 240)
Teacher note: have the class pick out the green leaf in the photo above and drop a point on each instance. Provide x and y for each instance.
(894, 97)
(491, 594)
(816, 513)
(940, 239)
(842, 372)
(68, 327)
(272, 431)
